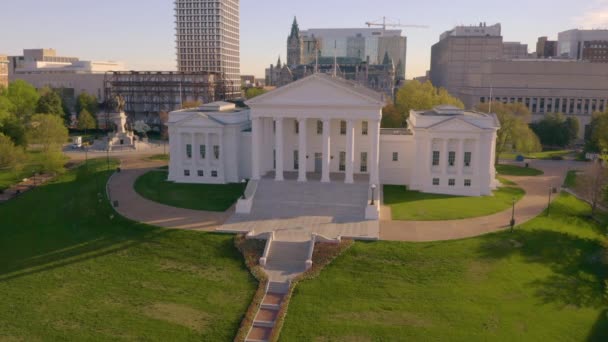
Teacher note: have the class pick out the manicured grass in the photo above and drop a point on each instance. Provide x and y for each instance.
(544, 282)
(210, 197)
(514, 170)
(570, 180)
(159, 157)
(412, 205)
(548, 155)
(70, 272)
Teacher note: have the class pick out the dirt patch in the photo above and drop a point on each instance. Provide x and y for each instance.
(179, 314)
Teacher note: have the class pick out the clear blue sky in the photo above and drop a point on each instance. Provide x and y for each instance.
(140, 32)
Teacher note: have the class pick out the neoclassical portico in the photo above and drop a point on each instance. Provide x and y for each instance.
(322, 124)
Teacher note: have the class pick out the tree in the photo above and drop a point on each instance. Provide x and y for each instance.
(417, 96)
(164, 130)
(254, 91)
(13, 128)
(48, 131)
(556, 130)
(86, 121)
(11, 155)
(6, 107)
(593, 184)
(24, 99)
(50, 103)
(141, 128)
(88, 102)
(514, 132)
(597, 139)
(391, 117)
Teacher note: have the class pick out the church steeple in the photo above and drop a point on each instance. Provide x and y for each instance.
(295, 29)
(279, 62)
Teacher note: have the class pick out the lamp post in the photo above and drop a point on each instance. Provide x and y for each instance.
(373, 193)
(513, 216)
(244, 181)
(549, 202)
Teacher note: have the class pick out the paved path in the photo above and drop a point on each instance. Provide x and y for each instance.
(530, 206)
(137, 208)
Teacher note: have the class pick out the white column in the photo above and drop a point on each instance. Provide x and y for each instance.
(350, 151)
(444, 156)
(374, 126)
(460, 157)
(302, 149)
(195, 152)
(208, 152)
(278, 136)
(326, 150)
(256, 156)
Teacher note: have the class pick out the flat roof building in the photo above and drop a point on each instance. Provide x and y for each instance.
(208, 39)
(571, 43)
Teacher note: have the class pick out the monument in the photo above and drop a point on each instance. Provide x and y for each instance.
(121, 138)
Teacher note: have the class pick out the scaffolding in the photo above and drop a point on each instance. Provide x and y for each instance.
(149, 93)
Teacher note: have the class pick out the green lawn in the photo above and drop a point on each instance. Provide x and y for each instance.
(537, 155)
(210, 197)
(159, 157)
(412, 205)
(544, 282)
(514, 170)
(70, 272)
(32, 163)
(570, 180)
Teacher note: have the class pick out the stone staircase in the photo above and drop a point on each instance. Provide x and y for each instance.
(266, 317)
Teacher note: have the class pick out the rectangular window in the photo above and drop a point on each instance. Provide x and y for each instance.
(451, 182)
(201, 173)
(296, 160)
(342, 165)
(216, 151)
(363, 161)
(189, 151)
(203, 151)
(342, 127)
(451, 158)
(467, 159)
(395, 156)
(436, 156)
(364, 128)
(214, 174)
(319, 127)
(435, 181)
(187, 173)
(467, 182)
(274, 126)
(297, 127)
(274, 159)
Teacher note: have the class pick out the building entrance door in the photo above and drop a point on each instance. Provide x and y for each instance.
(318, 162)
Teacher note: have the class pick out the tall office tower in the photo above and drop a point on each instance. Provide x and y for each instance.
(208, 39)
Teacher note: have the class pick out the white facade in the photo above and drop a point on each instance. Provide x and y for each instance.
(324, 128)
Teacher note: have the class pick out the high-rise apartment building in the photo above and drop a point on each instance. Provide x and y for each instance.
(208, 38)
(3, 71)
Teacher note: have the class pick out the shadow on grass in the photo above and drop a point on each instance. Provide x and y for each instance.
(65, 222)
(599, 331)
(578, 269)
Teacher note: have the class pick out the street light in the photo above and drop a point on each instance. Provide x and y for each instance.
(549, 203)
(513, 215)
(244, 181)
(373, 193)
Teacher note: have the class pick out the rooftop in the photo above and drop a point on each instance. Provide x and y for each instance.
(448, 110)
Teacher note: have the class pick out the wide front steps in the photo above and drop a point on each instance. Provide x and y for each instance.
(265, 319)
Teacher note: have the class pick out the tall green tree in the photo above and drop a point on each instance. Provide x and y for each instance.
(15, 129)
(514, 133)
(50, 103)
(556, 130)
(24, 99)
(597, 138)
(86, 121)
(88, 102)
(48, 131)
(11, 155)
(416, 96)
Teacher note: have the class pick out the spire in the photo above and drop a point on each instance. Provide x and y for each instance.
(387, 59)
(279, 62)
(295, 29)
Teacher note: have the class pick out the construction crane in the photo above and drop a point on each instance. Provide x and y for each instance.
(384, 25)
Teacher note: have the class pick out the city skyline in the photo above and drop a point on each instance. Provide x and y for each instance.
(146, 42)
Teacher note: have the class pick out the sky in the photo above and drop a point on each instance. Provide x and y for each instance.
(141, 32)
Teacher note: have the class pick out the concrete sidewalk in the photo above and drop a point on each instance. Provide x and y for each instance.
(137, 208)
(530, 206)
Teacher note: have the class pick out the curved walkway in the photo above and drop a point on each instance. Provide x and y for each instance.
(530, 206)
(135, 207)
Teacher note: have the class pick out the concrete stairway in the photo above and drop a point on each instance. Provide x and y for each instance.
(266, 317)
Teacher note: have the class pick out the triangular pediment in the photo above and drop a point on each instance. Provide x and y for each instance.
(319, 90)
(197, 120)
(456, 124)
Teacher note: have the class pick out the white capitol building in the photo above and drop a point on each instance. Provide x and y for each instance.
(326, 129)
